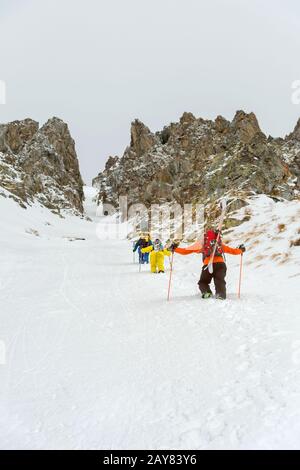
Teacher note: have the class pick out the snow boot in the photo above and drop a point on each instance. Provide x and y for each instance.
(207, 295)
(219, 297)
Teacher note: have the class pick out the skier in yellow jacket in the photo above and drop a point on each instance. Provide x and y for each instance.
(157, 256)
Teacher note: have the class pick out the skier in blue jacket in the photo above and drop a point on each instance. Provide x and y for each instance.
(143, 242)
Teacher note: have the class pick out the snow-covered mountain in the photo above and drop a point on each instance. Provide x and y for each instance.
(40, 164)
(93, 356)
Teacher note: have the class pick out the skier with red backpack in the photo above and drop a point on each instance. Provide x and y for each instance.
(214, 267)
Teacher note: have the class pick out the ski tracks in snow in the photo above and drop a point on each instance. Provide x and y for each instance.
(253, 399)
(99, 359)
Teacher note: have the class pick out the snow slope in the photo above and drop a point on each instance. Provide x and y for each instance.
(97, 358)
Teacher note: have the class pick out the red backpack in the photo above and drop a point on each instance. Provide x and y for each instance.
(211, 238)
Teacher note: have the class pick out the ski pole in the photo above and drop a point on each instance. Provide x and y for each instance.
(170, 277)
(240, 279)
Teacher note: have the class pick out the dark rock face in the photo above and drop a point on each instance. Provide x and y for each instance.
(245, 126)
(197, 160)
(141, 138)
(13, 136)
(40, 164)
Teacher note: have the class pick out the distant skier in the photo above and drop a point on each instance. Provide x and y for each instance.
(212, 244)
(157, 256)
(143, 242)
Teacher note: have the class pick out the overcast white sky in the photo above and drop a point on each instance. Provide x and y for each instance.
(99, 64)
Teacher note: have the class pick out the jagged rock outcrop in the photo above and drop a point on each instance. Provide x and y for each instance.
(142, 140)
(40, 164)
(245, 126)
(14, 135)
(197, 160)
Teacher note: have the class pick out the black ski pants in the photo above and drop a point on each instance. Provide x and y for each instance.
(218, 275)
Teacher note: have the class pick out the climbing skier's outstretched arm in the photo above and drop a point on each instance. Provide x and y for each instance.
(225, 248)
(232, 251)
(147, 249)
(187, 251)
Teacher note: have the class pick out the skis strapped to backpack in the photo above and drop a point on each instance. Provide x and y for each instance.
(211, 242)
(217, 245)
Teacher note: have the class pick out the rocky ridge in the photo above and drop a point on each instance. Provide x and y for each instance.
(198, 160)
(40, 164)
